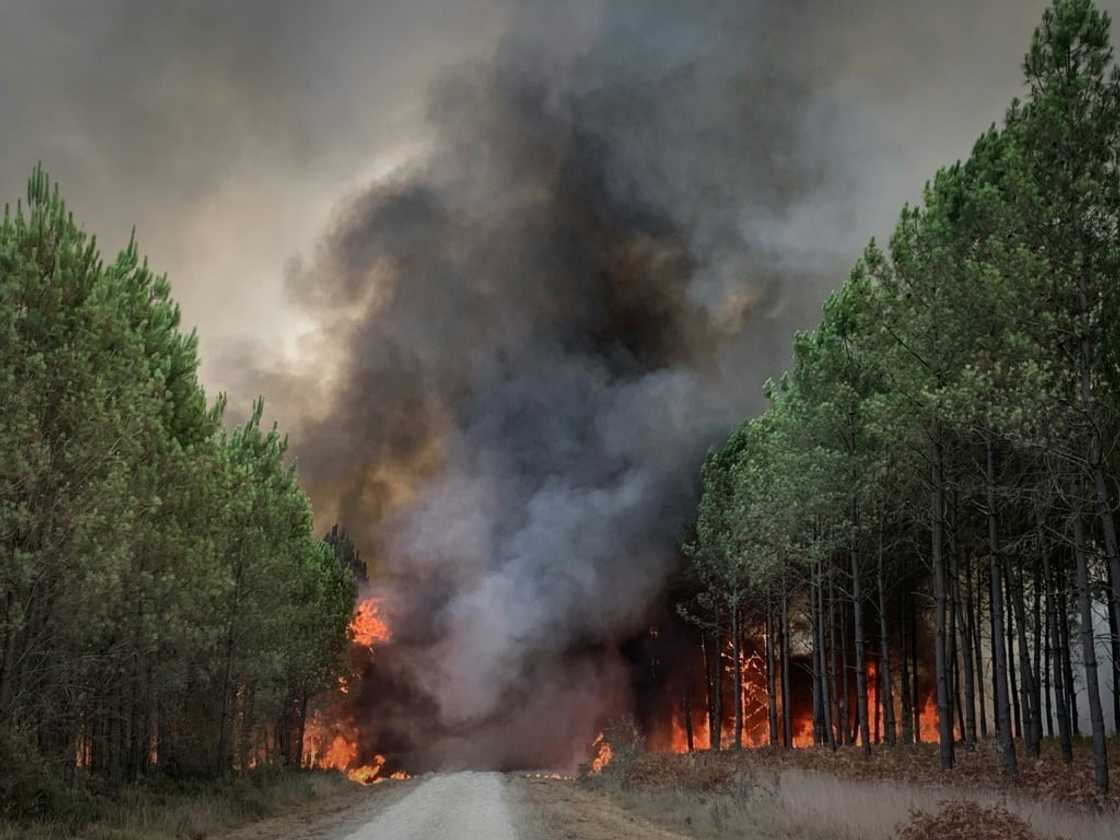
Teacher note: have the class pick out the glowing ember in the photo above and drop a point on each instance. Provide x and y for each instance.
(368, 627)
(601, 754)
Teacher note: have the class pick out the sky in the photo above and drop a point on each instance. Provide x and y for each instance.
(228, 133)
(503, 269)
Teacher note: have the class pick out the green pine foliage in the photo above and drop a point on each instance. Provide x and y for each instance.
(943, 448)
(164, 603)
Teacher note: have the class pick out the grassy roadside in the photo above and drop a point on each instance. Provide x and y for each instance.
(166, 810)
(821, 794)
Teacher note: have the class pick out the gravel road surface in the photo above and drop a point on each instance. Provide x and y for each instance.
(459, 806)
(464, 806)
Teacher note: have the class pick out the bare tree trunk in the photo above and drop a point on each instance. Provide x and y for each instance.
(1089, 659)
(1009, 600)
(978, 649)
(1037, 666)
(737, 675)
(954, 632)
(823, 724)
(861, 664)
(916, 698)
(818, 699)
(940, 649)
(1043, 588)
(1059, 682)
(886, 690)
(709, 695)
(686, 711)
(826, 683)
(301, 730)
(787, 712)
(968, 730)
(771, 681)
(904, 680)
(1066, 652)
(999, 649)
(1114, 647)
(993, 634)
(1108, 525)
(837, 705)
(1031, 720)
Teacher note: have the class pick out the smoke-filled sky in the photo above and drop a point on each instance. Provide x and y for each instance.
(504, 269)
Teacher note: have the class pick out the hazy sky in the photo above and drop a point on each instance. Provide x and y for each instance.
(227, 132)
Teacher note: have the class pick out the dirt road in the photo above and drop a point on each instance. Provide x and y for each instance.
(465, 806)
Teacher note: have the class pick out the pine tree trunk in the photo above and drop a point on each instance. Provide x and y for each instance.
(977, 621)
(1114, 646)
(954, 634)
(1067, 652)
(717, 687)
(1036, 686)
(1089, 659)
(886, 690)
(818, 660)
(787, 712)
(1009, 600)
(1108, 525)
(999, 649)
(1031, 720)
(940, 652)
(861, 665)
(301, 730)
(771, 681)
(838, 705)
(915, 675)
(1059, 681)
(994, 633)
(737, 674)
(686, 710)
(968, 729)
(904, 680)
(826, 683)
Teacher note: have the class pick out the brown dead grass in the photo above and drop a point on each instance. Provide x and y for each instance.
(818, 793)
(1048, 778)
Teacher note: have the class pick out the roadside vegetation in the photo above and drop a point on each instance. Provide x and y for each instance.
(840, 795)
(166, 809)
(166, 610)
(922, 526)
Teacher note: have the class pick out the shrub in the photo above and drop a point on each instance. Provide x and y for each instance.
(962, 820)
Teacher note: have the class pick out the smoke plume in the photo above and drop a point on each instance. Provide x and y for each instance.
(544, 320)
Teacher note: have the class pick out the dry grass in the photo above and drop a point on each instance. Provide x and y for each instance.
(1047, 778)
(818, 794)
(190, 812)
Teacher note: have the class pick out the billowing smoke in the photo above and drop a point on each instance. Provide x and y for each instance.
(544, 320)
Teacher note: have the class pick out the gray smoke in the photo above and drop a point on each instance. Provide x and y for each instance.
(547, 320)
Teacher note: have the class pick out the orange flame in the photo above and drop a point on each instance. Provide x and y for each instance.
(368, 627)
(334, 744)
(601, 754)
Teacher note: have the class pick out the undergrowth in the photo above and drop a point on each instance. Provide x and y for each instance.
(160, 809)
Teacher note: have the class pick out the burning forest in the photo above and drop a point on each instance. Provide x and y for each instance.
(539, 341)
(638, 448)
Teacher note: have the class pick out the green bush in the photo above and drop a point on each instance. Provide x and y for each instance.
(31, 788)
